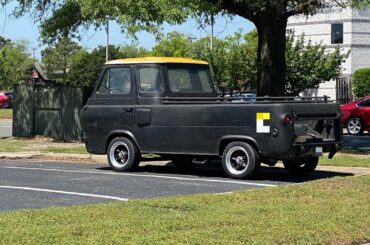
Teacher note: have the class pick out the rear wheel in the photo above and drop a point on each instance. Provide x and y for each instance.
(355, 126)
(239, 160)
(123, 154)
(301, 167)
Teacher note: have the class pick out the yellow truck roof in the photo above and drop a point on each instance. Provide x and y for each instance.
(154, 60)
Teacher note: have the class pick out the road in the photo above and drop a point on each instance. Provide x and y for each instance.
(5, 128)
(31, 184)
(357, 143)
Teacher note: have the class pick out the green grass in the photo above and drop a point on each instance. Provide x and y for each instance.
(7, 145)
(6, 113)
(334, 211)
(74, 150)
(346, 161)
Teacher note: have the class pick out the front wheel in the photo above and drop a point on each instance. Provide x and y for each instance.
(123, 154)
(301, 167)
(354, 126)
(239, 160)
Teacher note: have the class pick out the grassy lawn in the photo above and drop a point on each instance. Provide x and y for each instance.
(40, 145)
(334, 211)
(6, 113)
(344, 160)
(7, 145)
(73, 150)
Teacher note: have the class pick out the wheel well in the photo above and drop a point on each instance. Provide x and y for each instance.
(115, 135)
(354, 117)
(225, 142)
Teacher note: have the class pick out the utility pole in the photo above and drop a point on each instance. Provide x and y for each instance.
(212, 30)
(33, 52)
(107, 44)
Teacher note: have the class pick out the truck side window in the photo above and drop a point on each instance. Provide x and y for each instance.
(189, 80)
(151, 80)
(116, 81)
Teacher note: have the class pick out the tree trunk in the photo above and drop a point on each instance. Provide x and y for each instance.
(271, 54)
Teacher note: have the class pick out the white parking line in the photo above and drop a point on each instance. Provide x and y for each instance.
(144, 176)
(63, 192)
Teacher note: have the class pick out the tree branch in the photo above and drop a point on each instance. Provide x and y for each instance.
(305, 8)
(232, 6)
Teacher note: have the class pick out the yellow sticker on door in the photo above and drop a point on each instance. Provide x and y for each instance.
(261, 117)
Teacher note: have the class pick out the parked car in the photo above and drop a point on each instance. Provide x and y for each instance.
(171, 108)
(10, 99)
(250, 96)
(356, 116)
(3, 100)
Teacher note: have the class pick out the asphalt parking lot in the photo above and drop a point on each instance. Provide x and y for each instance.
(31, 184)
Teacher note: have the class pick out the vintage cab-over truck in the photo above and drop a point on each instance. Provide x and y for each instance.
(171, 108)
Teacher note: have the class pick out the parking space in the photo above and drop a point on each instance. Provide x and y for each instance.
(30, 184)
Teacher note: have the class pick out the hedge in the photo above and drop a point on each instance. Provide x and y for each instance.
(361, 82)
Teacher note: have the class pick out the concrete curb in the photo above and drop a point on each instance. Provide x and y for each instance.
(83, 158)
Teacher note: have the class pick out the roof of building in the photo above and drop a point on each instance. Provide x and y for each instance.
(40, 71)
(156, 60)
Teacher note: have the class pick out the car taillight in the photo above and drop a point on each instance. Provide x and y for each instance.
(288, 120)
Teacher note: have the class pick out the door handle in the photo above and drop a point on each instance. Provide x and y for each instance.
(128, 109)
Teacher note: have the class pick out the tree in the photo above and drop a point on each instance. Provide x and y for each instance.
(86, 67)
(309, 64)
(232, 60)
(361, 82)
(174, 44)
(269, 16)
(15, 63)
(132, 51)
(4, 41)
(58, 59)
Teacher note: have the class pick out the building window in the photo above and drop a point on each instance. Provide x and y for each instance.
(337, 33)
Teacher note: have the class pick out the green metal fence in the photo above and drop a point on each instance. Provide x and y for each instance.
(51, 111)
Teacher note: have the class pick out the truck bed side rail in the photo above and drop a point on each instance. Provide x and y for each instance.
(243, 100)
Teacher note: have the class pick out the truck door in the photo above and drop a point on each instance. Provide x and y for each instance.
(111, 106)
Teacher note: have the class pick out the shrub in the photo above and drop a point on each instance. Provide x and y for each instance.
(361, 82)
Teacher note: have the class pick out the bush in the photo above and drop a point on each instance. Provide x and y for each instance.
(361, 82)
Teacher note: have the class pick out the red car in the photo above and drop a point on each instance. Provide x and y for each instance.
(356, 116)
(3, 100)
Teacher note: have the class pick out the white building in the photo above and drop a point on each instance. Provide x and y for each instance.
(348, 28)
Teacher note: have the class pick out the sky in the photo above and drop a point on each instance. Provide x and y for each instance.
(25, 28)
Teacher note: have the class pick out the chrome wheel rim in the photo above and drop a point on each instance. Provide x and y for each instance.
(354, 126)
(119, 154)
(237, 160)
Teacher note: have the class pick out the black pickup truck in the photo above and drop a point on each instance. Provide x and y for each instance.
(171, 108)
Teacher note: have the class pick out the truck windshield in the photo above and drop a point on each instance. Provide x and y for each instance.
(189, 79)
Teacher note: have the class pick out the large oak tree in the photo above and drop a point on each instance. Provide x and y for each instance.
(269, 16)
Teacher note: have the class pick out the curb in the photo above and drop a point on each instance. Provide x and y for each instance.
(83, 158)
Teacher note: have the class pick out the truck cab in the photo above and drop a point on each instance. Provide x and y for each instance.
(170, 107)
